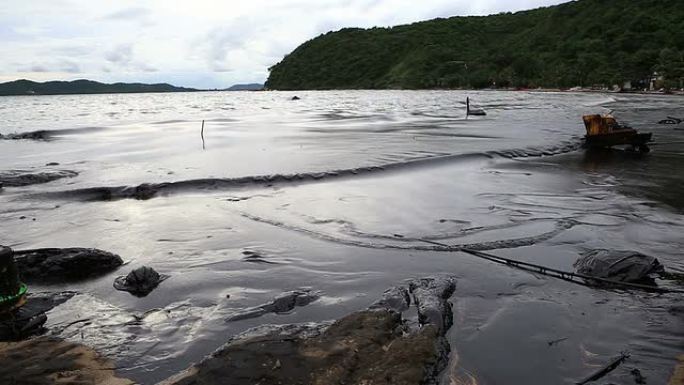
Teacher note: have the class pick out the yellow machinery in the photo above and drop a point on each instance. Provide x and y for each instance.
(605, 131)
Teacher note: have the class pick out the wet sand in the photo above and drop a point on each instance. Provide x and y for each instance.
(376, 183)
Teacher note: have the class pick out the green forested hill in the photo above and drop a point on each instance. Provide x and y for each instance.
(27, 87)
(580, 43)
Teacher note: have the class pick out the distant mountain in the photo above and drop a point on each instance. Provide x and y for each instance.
(28, 87)
(577, 43)
(246, 87)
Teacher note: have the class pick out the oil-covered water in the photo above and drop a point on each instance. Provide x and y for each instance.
(342, 192)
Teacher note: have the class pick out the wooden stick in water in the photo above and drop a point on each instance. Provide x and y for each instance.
(202, 134)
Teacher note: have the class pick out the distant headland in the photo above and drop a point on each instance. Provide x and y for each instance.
(83, 86)
(28, 87)
(246, 87)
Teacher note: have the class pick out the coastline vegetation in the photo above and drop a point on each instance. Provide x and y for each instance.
(586, 43)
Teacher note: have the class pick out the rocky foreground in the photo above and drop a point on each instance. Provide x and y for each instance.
(399, 339)
(372, 346)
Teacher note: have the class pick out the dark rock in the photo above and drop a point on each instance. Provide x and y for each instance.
(371, 346)
(366, 347)
(54, 265)
(139, 282)
(638, 377)
(17, 178)
(281, 304)
(624, 266)
(295, 97)
(29, 319)
(430, 296)
(395, 298)
(52, 164)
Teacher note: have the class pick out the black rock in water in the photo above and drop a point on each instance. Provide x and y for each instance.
(139, 282)
(53, 265)
(624, 266)
(295, 97)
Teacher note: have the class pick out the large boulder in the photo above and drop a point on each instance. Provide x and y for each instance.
(372, 346)
(49, 266)
(623, 266)
(366, 347)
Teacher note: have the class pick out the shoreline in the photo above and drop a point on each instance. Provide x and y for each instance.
(549, 90)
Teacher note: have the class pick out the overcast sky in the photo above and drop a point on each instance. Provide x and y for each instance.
(195, 43)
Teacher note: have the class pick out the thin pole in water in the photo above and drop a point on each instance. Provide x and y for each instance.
(467, 106)
(202, 134)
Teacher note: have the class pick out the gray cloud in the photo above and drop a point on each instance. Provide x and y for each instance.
(121, 54)
(69, 66)
(35, 68)
(72, 50)
(145, 67)
(129, 14)
(55, 66)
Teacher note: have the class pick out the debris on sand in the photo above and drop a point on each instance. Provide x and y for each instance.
(139, 282)
(51, 361)
(281, 304)
(53, 265)
(372, 346)
(18, 178)
(623, 266)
